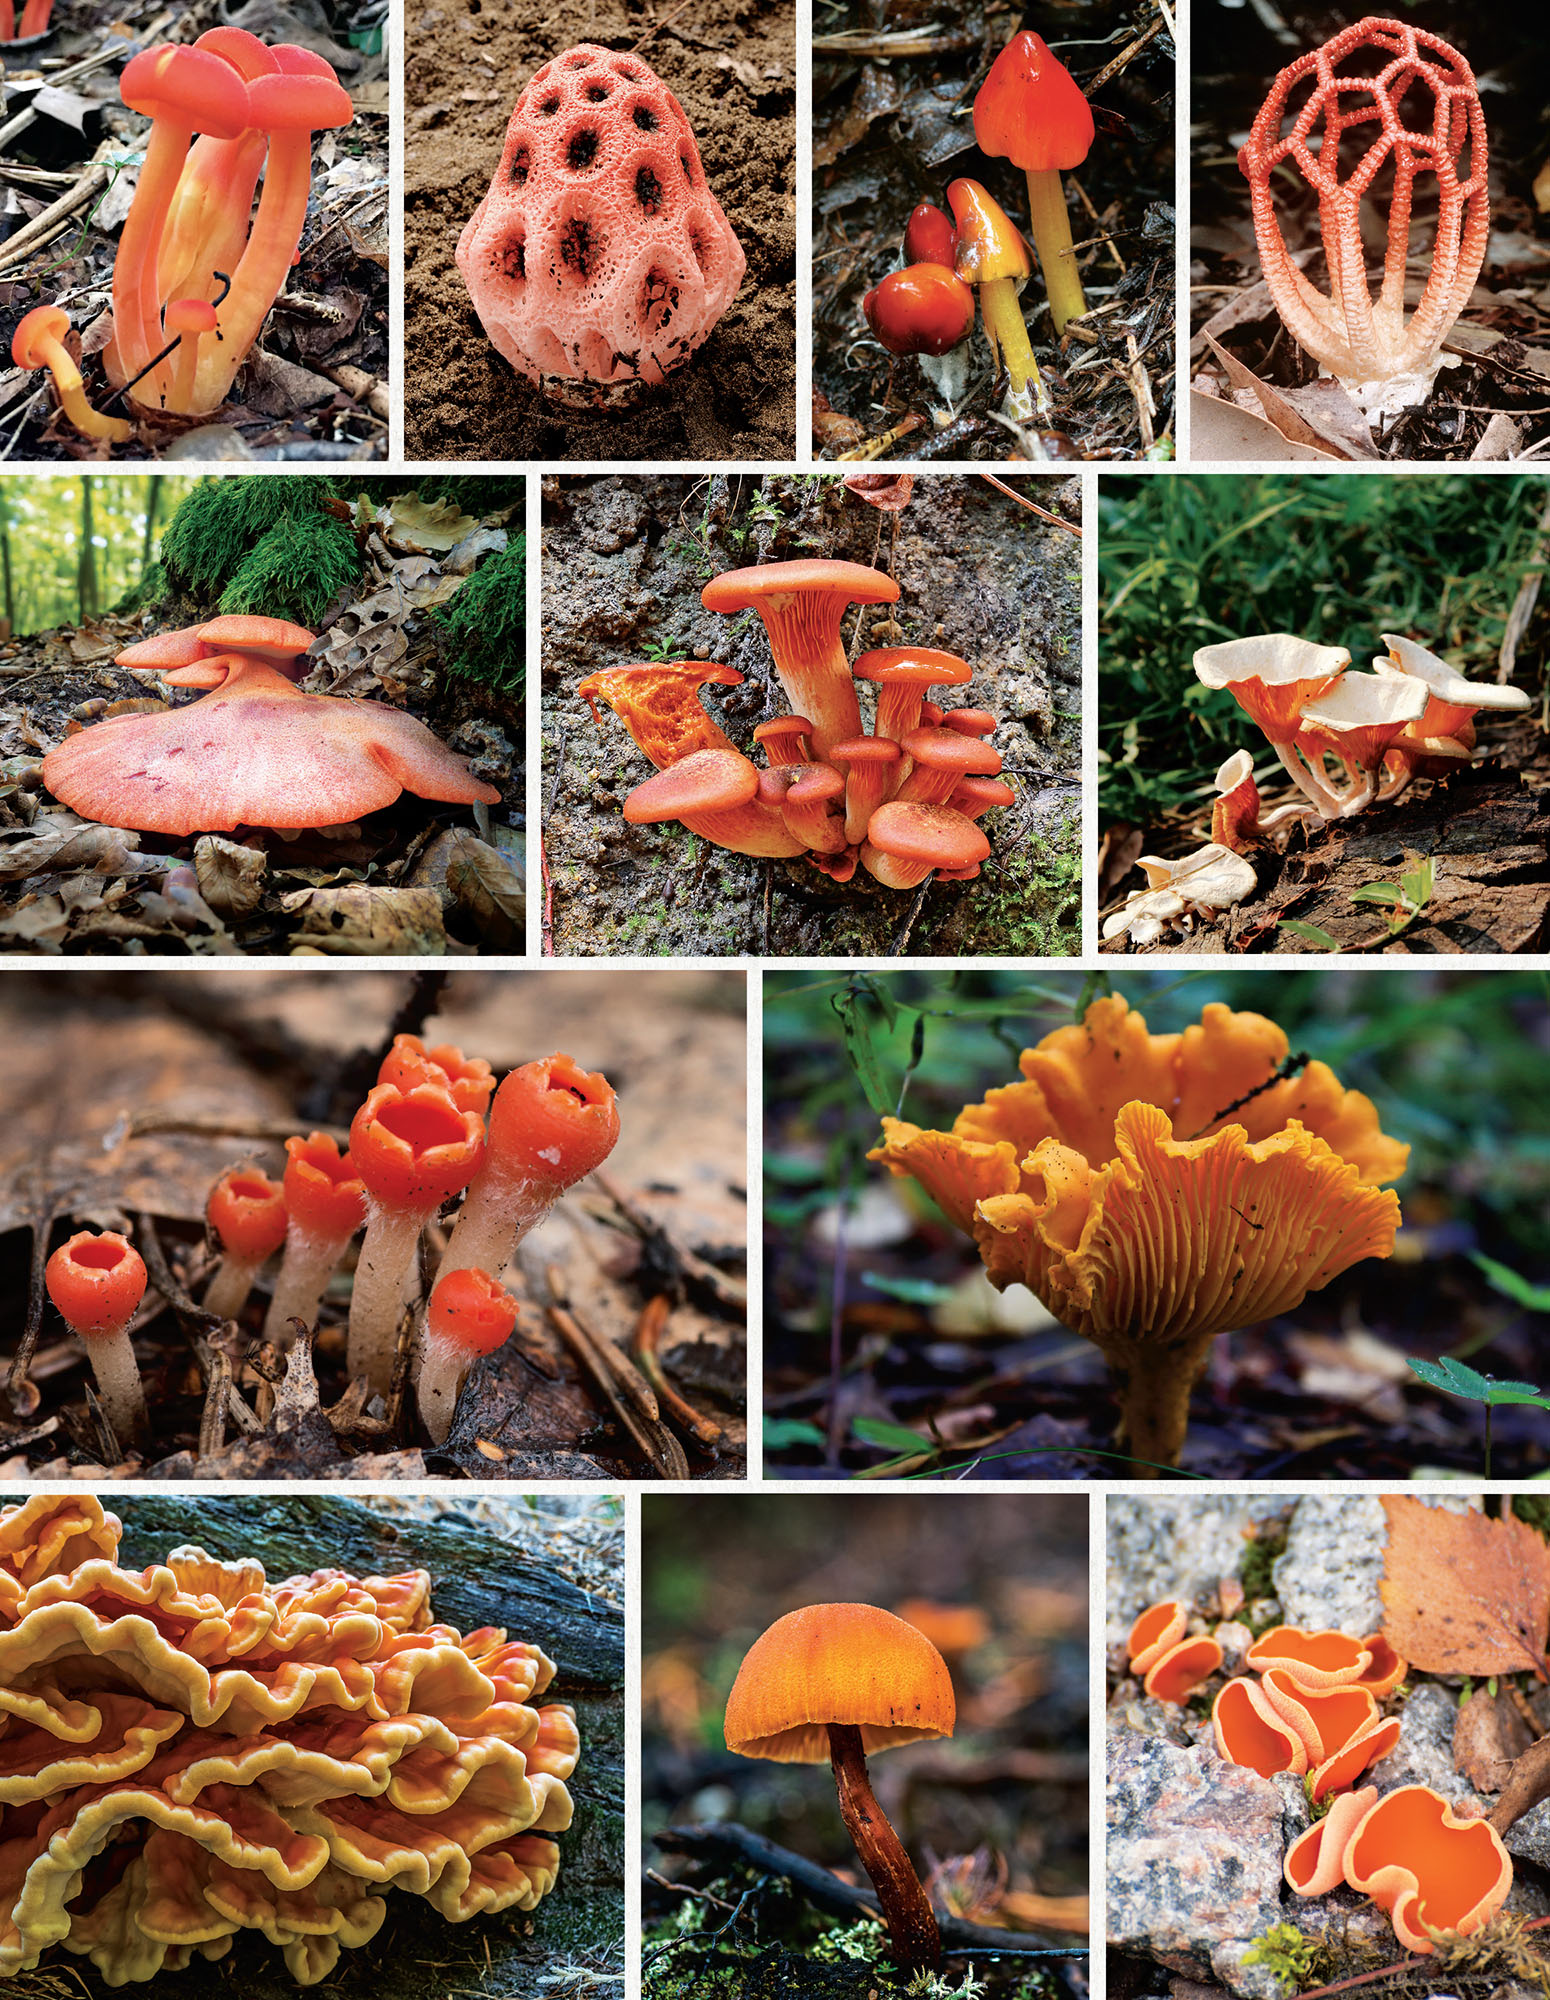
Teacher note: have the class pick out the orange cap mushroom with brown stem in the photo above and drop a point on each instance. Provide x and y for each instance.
(97, 1282)
(1031, 111)
(993, 257)
(1066, 1180)
(842, 1681)
(246, 1210)
(802, 606)
(325, 1204)
(659, 704)
(470, 1314)
(38, 342)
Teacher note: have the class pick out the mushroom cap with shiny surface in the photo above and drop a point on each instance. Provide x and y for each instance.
(1030, 109)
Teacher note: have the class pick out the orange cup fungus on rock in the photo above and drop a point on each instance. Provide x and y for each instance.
(191, 1751)
(600, 259)
(1170, 1663)
(1156, 1190)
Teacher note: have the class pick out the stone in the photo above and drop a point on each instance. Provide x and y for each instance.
(1176, 1547)
(1327, 1579)
(1424, 1753)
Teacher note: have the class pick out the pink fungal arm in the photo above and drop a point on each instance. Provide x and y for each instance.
(1422, 110)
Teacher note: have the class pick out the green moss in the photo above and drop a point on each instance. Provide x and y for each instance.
(1031, 902)
(1295, 1960)
(221, 520)
(294, 571)
(1257, 1571)
(486, 623)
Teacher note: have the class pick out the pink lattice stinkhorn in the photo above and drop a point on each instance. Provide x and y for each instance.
(97, 1283)
(1422, 111)
(413, 1149)
(469, 1314)
(325, 1203)
(551, 1123)
(246, 1210)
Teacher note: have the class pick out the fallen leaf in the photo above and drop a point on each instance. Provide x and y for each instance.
(412, 523)
(359, 921)
(1463, 1594)
(490, 890)
(231, 876)
(1322, 417)
(1220, 430)
(1489, 1737)
(104, 850)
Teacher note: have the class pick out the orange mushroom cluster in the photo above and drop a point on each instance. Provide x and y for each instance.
(1170, 1664)
(255, 750)
(898, 801)
(1314, 1709)
(1156, 1190)
(418, 1140)
(191, 1751)
(197, 268)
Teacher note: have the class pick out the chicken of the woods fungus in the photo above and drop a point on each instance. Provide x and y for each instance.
(839, 1682)
(192, 1752)
(1410, 99)
(1156, 1190)
(600, 259)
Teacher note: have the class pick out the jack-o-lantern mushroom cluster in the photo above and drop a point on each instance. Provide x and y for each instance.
(419, 1139)
(900, 800)
(191, 1751)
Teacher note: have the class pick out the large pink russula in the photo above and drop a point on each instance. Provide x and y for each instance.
(599, 260)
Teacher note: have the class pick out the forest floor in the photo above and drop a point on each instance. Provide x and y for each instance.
(416, 879)
(314, 386)
(732, 66)
(892, 91)
(1255, 393)
(171, 1081)
(624, 563)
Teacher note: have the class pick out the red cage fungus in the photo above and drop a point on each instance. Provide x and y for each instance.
(599, 260)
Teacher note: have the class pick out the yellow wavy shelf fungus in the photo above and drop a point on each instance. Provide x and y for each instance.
(1156, 1190)
(189, 1751)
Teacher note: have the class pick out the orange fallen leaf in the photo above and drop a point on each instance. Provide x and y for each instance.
(1464, 1594)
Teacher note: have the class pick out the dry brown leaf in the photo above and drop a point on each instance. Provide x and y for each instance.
(490, 889)
(1322, 417)
(1463, 1594)
(231, 876)
(1489, 1737)
(360, 921)
(67, 850)
(1221, 430)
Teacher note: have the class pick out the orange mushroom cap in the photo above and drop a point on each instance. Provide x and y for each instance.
(710, 781)
(470, 1311)
(1235, 814)
(1159, 1627)
(190, 86)
(659, 704)
(990, 245)
(929, 238)
(1385, 1670)
(96, 1281)
(1272, 676)
(246, 1210)
(469, 1078)
(907, 839)
(170, 649)
(942, 759)
(414, 1148)
(1315, 1660)
(1315, 1861)
(1030, 109)
(923, 309)
(837, 1663)
(974, 797)
(969, 721)
(274, 640)
(783, 738)
(553, 1122)
(36, 332)
(1250, 1732)
(1428, 1868)
(324, 1196)
(1183, 1667)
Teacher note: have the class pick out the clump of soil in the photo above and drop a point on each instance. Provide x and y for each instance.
(732, 67)
(625, 560)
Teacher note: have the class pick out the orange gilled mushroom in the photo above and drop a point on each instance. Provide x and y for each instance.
(902, 674)
(1430, 1870)
(784, 739)
(1237, 821)
(1315, 1861)
(803, 605)
(38, 342)
(840, 1681)
(940, 760)
(470, 1313)
(1444, 736)
(714, 793)
(1113, 1183)
(190, 320)
(810, 799)
(1031, 111)
(974, 797)
(325, 1204)
(659, 705)
(993, 257)
(906, 839)
(275, 642)
(1181, 1668)
(552, 1123)
(1315, 1660)
(206, 228)
(1272, 676)
(97, 1283)
(413, 1149)
(246, 1210)
(1251, 1732)
(968, 721)
(1357, 722)
(871, 765)
(1156, 1631)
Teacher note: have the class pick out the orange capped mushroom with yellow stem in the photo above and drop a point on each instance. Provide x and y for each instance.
(842, 1681)
(1156, 1190)
(993, 257)
(38, 342)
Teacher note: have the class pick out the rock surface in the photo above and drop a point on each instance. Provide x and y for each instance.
(1176, 1547)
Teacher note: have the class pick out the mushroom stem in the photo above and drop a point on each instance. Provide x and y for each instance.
(1308, 781)
(228, 1290)
(376, 1303)
(1004, 325)
(443, 1365)
(118, 1383)
(1153, 1379)
(310, 1261)
(1049, 222)
(913, 1939)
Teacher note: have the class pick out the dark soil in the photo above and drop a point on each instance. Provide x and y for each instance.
(1505, 330)
(732, 66)
(890, 134)
(625, 559)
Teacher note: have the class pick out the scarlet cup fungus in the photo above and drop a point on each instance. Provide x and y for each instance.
(551, 1123)
(246, 1210)
(1031, 111)
(97, 1283)
(413, 1149)
(469, 1314)
(325, 1204)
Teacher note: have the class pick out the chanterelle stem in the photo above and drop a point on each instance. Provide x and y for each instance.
(913, 1938)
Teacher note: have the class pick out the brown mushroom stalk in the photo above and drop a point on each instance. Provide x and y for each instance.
(913, 1938)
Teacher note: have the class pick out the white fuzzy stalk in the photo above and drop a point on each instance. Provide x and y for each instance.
(228, 1290)
(443, 1367)
(376, 1303)
(118, 1384)
(498, 1211)
(308, 1264)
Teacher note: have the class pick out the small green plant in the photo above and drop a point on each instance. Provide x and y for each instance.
(1455, 1379)
(670, 648)
(1295, 1960)
(929, 1985)
(1404, 899)
(1502, 1278)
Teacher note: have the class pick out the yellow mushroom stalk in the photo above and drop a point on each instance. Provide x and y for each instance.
(993, 257)
(39, 343)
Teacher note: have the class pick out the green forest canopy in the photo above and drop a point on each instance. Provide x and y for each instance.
(71, 547)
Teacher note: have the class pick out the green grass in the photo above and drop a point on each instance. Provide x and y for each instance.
(1186, 561)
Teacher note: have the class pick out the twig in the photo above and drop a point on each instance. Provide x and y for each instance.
(44, 226)
(1126, 55)
(1033, 507)
(213, 1125)
(610, 1371)
(835, 1427)
(729, 1293)
(20, 1389)
(901, 943)
(1400, 1966)
(649, 1329)
(682, 8)
(212, 1422)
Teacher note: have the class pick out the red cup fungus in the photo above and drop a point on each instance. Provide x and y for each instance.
(97, 1282)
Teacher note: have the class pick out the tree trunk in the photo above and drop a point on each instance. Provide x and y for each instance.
(152, 506)
(86, 565)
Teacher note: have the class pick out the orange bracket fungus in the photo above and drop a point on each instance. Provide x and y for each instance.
(246, 1211)
(325, 1204)
(207, 1752)
(1412, 101)
(1156, 1190)
(551, 1124)
(841, 1681)
(97, 1283)
(469, 1314)
(600, 259)
(994, 259)
(1030, 111)
(255, 750)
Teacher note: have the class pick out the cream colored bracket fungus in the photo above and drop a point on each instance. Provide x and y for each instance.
(1196, 885)
(1271, 676)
